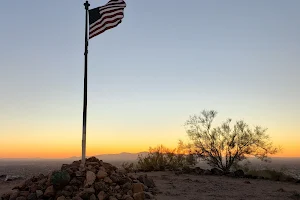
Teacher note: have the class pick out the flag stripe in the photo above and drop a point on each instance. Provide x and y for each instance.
(106, 17)
(113, 2)
(106, 27)
(108, 12)
(103, 8)
(108, 24)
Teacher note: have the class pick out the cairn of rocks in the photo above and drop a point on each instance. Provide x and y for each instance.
(96, 180)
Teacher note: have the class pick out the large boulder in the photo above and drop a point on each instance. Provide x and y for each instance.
(101, 174)
(90, 178)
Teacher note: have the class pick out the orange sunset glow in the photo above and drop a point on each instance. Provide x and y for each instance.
(48, 146)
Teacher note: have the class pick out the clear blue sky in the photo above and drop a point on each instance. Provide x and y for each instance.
(165, 61)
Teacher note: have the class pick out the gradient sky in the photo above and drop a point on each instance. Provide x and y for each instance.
(166, 60)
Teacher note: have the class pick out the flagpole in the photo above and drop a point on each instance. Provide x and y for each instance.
(86, 5)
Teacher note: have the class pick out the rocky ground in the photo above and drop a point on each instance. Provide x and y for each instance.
(211, 187)
(99, 180)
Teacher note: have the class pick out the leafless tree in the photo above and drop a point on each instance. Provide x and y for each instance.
(226, 145)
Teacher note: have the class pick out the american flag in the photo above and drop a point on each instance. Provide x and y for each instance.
(106, 17)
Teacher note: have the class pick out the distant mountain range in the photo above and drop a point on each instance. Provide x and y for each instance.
(124, 156)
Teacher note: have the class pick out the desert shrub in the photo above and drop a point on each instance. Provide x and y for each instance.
(129, 167)
(59, 179)
(225, 145)
(162, 158)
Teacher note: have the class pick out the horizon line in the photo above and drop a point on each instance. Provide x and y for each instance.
(79, 157)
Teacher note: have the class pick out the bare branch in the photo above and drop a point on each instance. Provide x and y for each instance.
(234, 143)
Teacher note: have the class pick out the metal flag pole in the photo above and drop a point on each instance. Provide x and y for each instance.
(86, 5)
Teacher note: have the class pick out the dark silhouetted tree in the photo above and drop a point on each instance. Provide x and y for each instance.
(226, 145)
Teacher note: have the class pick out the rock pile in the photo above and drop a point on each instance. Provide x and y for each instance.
(96, 180)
